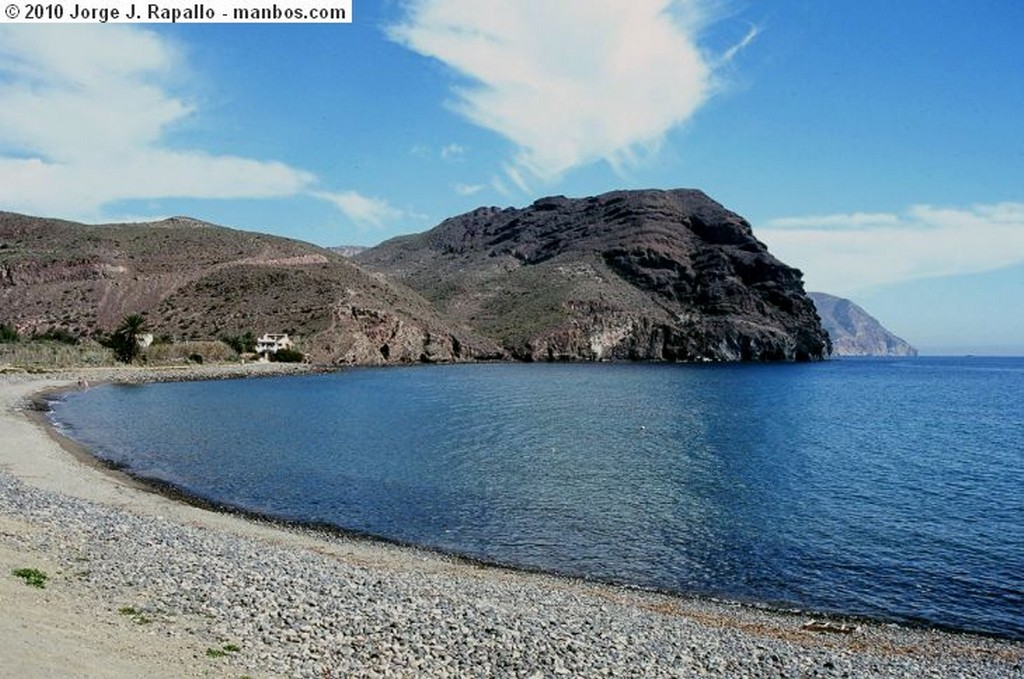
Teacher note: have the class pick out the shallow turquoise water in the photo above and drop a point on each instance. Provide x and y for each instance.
(888, 488)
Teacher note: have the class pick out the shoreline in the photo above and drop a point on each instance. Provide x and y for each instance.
(328, 531)
(363, 605)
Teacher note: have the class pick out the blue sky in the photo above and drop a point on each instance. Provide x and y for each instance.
(878, 146)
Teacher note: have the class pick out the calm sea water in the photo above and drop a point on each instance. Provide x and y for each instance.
(893, 489)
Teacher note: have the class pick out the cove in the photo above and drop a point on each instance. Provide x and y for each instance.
(884, 488)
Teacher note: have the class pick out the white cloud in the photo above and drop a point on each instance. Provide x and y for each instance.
(469, 189)
(84, 123)
(81, 189)
(854, 220)
(364, 211)
(847, 253)
(70, 93)
(453, 152)
(569, 82)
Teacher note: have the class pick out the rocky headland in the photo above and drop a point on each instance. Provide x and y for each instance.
(627, 275)
(854, 331)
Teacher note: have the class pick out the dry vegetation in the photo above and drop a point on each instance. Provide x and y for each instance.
(198, 282)
(43, 354)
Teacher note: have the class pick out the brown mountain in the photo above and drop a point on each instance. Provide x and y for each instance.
(649, 275)
(193, 280)
(854, 331)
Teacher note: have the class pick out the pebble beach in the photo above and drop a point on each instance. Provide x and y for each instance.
(139, 584)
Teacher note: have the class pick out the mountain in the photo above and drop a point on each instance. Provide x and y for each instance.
(855, 332)
(193, 280)
(648, 275)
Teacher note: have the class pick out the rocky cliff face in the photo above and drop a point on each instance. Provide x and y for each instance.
(855, 332)
(198, 281)
(640, 275)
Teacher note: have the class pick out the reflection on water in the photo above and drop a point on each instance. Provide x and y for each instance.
(887, 488)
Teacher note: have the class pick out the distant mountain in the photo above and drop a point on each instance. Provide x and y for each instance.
(648, 275)
(855, 332)
(194, 280)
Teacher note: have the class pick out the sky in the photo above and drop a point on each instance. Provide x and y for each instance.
(877, 146)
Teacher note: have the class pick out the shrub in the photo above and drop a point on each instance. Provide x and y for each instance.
(32, 577)
(62, 335)
(287, 356)
(242, 344)
(8, 333)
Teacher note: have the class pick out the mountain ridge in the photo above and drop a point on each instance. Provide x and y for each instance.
(662, 275)
(194, 280)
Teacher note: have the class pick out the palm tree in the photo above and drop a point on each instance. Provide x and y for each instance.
(126, 337)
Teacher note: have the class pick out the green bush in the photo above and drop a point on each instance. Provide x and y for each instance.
(62, 335)
(242, 344)
(8, 333)
(33, 577)
(287, 356)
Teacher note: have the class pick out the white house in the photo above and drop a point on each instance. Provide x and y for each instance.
(271, 343)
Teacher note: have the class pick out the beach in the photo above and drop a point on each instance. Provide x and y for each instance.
(140, 584)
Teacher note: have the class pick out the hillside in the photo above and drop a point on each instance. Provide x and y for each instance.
(647, 275)
(193, 280)
(854, 331)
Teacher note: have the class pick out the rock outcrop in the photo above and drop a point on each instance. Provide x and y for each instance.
(637, 275)
(855, 332)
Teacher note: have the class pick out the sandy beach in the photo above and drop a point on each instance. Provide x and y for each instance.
(141, 585)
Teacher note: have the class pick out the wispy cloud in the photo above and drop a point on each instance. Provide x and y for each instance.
(453, 152)
(82, 126)
(731, 53)
(855, 220)
(364, 211)
(469, 189)
(570, 82)
(847, 253)
(499, 185)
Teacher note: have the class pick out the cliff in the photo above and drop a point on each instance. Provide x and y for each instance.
(639, 275)
(855, 332)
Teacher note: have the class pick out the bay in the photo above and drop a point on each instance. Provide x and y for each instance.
(885, 488)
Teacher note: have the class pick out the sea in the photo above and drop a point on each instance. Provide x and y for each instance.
(891, 489)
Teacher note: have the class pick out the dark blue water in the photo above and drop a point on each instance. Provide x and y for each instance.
(893, 489)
